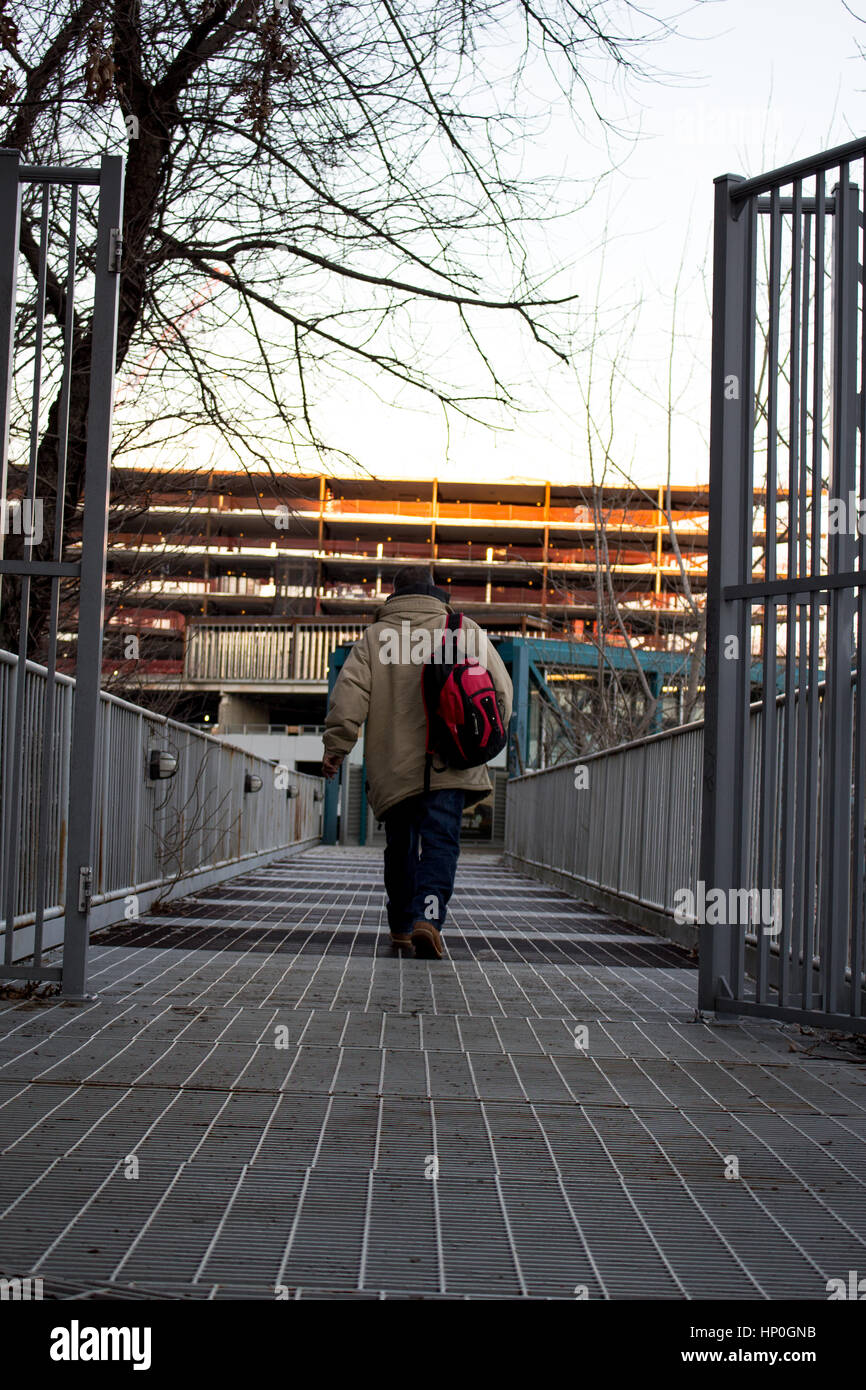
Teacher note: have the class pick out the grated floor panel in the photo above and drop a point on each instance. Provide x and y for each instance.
(263, 1100)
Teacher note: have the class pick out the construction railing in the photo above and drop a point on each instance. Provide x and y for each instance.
(255, 651)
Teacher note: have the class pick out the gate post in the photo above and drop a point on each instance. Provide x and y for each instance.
(838, 705)
(81, 872)
(10, 233)
(728, 665)
(10, 224)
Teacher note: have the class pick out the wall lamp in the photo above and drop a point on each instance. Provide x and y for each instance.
(252, 783)
(161, 764)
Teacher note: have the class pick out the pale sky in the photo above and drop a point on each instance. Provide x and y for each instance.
(758, 83)
(762, 82)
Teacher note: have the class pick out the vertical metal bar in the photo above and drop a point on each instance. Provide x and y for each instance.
(838, 701)
(48, 744)
(767, 795)
(15, 784)
(858, 847)
(10, 231)
(744, 751)
(801, 561)
(88, 668)
(10, 234)
(667, 890)
(789, 766)
(730, 485)
(813, 712)
(102, 882)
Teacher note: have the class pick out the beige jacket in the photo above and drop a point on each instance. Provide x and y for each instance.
(380, 685)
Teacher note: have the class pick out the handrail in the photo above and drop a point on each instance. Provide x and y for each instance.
(800, 168)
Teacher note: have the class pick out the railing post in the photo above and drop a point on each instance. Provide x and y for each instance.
(730, 508)
(10, 224)
(842, 604)
(88, 666)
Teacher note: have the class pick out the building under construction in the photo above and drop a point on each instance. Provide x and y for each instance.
(200, 551)
(232, 596)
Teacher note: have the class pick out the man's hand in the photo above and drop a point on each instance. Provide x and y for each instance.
(331, 764)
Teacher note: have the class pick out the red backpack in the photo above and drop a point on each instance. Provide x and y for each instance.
(464, 726)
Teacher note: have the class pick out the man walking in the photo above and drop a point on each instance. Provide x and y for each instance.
(381, 685)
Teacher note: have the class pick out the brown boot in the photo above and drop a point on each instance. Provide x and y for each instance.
(427, 940)
(401, 941)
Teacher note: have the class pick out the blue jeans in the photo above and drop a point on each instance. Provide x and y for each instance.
(421, 852)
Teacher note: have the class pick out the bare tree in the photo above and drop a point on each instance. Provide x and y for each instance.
(328, 182)
(620, 703)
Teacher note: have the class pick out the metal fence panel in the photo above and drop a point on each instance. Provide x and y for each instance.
(625, 821)
(785, 792)
(263, 651)
(151, 837)
(61, 343)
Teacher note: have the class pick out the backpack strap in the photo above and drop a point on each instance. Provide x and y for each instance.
(453, 623)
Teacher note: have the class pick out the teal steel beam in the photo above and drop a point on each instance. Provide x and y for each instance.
(332, 787)
(545, 651)
(539, 680)
(518, 733)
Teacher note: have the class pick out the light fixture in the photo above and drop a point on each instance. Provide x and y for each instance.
(252, 783)
(161, 764)
(291, 792)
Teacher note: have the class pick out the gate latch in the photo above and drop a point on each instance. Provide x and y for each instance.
(85, 888)
(115, 250)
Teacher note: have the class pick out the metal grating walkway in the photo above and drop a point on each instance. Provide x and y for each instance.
(260, 1094)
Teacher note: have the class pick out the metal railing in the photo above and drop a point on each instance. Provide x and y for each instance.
(620, 827)
(65, 420)
(766, 799)
(788, 414)
(153, 838)
(263, 651)
(226, 730)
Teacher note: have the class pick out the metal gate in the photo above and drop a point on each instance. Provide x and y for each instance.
(783, 852)
(67, 325)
